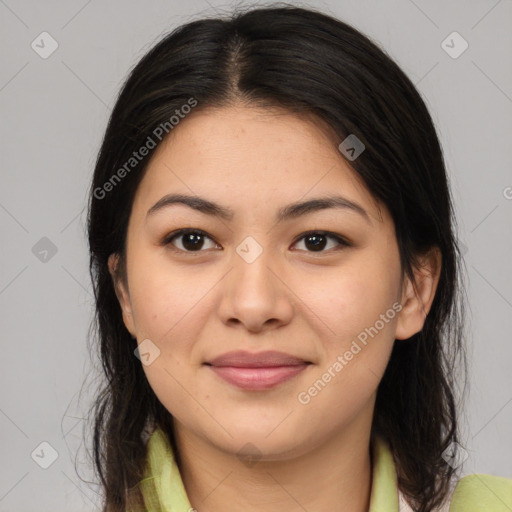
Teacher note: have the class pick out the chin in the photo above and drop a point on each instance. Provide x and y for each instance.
(257, 445)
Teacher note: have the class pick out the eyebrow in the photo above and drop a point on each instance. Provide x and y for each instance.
(290, 211)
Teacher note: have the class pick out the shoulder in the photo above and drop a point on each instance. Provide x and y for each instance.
(474, 493)
(480, 492)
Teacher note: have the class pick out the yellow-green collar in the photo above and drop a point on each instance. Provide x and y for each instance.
(163, 488)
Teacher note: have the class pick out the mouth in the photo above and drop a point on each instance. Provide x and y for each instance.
(257, 371)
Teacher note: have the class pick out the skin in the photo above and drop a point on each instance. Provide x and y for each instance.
(199, 304)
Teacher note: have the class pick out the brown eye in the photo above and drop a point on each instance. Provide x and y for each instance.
(316, 241)
(193, 240)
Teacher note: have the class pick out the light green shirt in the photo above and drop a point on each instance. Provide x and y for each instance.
(163, 488)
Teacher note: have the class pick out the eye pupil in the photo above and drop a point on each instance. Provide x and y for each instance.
(316, 244)
(192, 241)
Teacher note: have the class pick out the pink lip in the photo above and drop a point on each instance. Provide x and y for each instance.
(258, 378)
(244, 359)
(257, 371)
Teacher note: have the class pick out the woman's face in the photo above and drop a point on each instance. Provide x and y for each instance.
(255, 281)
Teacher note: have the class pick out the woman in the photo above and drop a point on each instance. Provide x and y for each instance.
(277, 279)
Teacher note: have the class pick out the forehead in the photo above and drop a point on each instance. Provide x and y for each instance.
(237, 132)
(252, 157)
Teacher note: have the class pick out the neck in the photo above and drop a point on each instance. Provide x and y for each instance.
(334, 475)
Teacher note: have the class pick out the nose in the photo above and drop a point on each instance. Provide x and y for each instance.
(255, 295)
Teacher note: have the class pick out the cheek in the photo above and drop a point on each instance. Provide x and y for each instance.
(165, 300)
(173, 388)
(351, 299)
(169, 311)
(354, 359)
(358, 306)
(347, 395)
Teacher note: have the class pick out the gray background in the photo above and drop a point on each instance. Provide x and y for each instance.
(54, 112)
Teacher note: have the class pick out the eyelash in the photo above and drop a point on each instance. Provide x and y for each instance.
(185, 231)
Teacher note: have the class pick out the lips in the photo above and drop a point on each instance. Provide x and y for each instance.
(257, 371)
(266, 359)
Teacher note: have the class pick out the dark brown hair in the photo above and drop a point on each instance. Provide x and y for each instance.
(313, 64)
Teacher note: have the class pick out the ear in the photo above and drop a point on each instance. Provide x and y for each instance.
(121, 293)
(417, 299)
